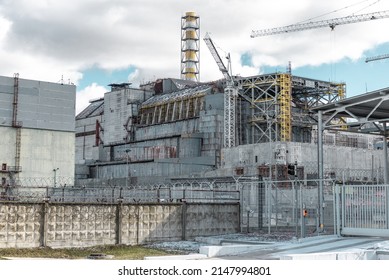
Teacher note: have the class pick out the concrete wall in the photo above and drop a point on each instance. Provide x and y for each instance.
(86, 149)
(41, 105)
(119, 106)
(116, 112)
(74, 225)
(336, 159)
(20, 225)
(45, 111)
(150, 172)
(41, 151)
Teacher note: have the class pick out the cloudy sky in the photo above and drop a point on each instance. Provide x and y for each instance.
(92, 43)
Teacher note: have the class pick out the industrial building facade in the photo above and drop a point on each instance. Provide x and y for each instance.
(174, 128)
(37, 127)
(165, 129)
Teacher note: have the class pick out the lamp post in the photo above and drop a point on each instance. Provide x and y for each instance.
(55, 176)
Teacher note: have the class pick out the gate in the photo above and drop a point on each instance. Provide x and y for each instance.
(364, 210)
(286, 207)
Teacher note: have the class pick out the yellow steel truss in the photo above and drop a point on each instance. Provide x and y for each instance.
(341, 89)
(285, 100)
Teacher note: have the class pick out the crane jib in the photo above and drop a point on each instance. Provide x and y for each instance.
(318, 24)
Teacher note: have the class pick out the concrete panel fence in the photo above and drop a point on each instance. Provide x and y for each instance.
(27, 225)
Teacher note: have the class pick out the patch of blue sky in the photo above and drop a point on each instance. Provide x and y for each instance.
(104, 77)
(246, 59)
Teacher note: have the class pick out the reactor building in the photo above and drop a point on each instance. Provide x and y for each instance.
(173, 129)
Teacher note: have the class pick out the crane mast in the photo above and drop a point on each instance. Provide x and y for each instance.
(332, 23)
(230, 94)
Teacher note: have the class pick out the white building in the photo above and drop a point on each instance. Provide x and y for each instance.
(37, 129)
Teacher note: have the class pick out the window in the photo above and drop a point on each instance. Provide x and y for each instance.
(239, 171)
(4, 167)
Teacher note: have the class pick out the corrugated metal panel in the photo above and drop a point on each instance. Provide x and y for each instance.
(94, 109)
(182, 94)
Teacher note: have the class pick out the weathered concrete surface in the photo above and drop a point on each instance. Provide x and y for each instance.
(342, 162)
(83, 224)
(20, 225)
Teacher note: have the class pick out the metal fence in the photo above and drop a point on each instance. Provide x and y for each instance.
(269, 206)
(57, 181)
(364, 210)
(290, 207)
(133, 194)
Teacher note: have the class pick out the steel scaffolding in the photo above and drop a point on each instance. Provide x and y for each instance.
(278, 106)
(284, 99)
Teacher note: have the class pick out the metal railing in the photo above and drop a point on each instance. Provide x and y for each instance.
(290, 207)
(365, 207)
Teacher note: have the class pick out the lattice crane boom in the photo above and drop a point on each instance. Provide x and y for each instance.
(332, 23)
(378, 57)
(230, 93)
(211, 46)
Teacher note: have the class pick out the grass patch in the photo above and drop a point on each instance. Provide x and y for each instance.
(119, 252)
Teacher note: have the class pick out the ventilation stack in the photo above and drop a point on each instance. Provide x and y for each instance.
(190, 34)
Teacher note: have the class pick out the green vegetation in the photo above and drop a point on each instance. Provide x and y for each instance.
(117, 252)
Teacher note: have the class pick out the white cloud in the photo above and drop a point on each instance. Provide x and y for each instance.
(134, 78)
(48, 39)
(91, 92)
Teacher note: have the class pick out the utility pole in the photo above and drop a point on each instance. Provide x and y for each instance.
(55, 176)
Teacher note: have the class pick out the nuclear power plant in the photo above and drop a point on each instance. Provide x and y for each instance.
(272, 151)
(171, 128)
(183, 128)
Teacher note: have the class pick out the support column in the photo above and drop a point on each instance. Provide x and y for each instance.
(385, 151)
(44, 222)
(119, 226)
(183, 220)
(320, 167)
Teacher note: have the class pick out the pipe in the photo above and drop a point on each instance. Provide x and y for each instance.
(320, 166)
